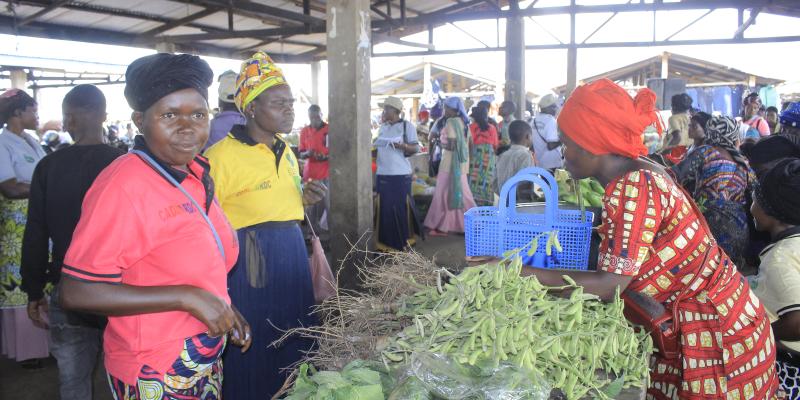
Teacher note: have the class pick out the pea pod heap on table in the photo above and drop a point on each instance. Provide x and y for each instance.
(491, 314)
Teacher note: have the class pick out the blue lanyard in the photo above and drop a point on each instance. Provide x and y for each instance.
(146, 158)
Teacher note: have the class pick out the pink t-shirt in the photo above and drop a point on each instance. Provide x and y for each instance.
(137, 229)
(759, 124)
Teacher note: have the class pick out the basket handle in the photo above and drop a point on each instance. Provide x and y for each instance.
(542, 173)
(508, 197)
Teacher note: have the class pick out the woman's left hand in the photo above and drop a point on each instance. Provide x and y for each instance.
(313, 192)
(241, 334)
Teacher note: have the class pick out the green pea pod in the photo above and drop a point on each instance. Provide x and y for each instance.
(557, 243)
(568, 279)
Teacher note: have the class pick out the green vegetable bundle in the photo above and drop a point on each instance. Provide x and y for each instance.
(490, 314)
(581, 192)
(359, 380)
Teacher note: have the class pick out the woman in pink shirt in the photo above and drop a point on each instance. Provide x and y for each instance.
(153, 248)
(758, 127)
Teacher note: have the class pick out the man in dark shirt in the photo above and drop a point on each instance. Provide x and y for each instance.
(59, 183)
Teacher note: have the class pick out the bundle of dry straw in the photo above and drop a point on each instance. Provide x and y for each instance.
(356, 325)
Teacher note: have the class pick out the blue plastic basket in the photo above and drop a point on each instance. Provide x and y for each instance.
(493, 231)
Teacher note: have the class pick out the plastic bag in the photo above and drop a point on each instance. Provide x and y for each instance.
(322, 279)
(448, 379)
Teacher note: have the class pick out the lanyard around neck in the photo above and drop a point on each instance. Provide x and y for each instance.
(149, 160)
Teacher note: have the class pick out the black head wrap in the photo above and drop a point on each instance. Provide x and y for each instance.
(773, 148)
(152, 77)
(778, 192)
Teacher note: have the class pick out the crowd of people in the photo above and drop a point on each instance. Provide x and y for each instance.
(218, 256)
(470, 154)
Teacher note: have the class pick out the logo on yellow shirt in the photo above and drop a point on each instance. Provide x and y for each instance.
(266, 185)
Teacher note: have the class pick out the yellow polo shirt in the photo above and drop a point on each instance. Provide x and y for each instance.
(255, 183)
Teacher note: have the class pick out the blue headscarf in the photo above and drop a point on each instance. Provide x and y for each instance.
(455, 103)
(790, 116)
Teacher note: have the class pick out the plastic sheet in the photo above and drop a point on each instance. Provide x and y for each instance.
(444, 378)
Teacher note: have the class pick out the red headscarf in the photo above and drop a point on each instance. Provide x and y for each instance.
(603, 119)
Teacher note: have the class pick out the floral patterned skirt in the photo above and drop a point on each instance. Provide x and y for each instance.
(13, 215)
(19, 338)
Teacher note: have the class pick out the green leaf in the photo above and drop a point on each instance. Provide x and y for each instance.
(613, 389)
(331, 379)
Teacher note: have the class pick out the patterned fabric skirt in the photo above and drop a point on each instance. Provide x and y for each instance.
(196, 374)
(19, 338)
(271, 286)
(727, 347)
(728, 223)
(481, 172)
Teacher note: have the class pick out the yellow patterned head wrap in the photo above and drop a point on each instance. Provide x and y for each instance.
(258, 74)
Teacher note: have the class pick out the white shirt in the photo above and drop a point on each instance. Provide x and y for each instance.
(392, 161)
(18, 156)
(545, 130)
(777, 284)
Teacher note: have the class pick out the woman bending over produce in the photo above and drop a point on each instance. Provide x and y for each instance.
(657, 244)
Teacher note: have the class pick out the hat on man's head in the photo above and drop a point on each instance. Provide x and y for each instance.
(227, 86)
(393, 102)
(548, 101)
(791, 115)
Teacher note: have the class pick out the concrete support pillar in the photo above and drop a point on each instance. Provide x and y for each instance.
(664, 66)
(572, 69)
(572, 55)
(316, 70)
(515, 59)
(349, 94)
(19, 79)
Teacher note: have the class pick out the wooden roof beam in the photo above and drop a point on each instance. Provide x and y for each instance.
(182, 21)
(750, 21)
(47, 10)
(104, 36)
(258, 10)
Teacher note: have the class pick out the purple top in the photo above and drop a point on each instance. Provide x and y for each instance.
(222, 124)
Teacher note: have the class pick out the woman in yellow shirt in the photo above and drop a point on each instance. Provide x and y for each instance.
(259, 187)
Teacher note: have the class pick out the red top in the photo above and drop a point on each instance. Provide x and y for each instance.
(315, 140)
(484, 137)
(137, 229)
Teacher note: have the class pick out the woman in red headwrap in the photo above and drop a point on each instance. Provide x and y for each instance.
(655, 243)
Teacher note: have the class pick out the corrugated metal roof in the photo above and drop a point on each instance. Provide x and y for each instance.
(124, 21)
(694, 71)
(411, 81)
(277, 25)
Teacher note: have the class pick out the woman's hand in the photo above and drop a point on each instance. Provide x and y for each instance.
(313, 192)
(241, 334)
(211, 310)
(34, 312)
